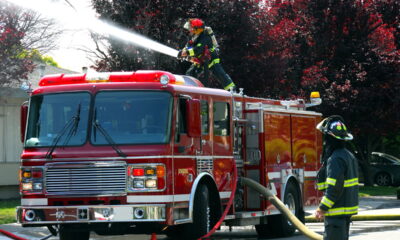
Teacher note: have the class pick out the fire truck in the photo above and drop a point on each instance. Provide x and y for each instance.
(154, 152)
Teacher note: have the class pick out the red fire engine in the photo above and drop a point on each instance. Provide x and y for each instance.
(150, 151)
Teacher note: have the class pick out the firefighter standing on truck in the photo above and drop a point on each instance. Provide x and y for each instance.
(338, 177)
(202, 51)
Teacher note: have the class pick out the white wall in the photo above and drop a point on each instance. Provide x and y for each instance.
(10, 133)
(10, 144)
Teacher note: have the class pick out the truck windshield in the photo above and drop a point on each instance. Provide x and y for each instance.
(131, 117)
(58, 120)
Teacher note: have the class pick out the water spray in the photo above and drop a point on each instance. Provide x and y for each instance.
(79, 19)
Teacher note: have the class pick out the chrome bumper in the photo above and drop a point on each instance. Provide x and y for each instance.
(90, 214)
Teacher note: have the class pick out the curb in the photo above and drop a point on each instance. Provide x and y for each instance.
(385, 217)
(365, 230)
(375, 229)
(388, 205)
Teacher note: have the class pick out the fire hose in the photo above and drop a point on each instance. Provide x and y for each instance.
(10, 235)
(296, 222)
(228, 206)
(284, 210)
(281, 207)
(381, 217)
(270, 197)
(15, 237)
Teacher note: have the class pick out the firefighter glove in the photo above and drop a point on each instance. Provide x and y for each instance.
(182, 53)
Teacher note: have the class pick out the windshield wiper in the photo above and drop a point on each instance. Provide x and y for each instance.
(75, 124)
(107, 136)
(72, 122)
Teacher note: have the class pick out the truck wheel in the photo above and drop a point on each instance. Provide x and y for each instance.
(264, 230)
(279, 225)
(173, 232)
(383, 179)
(69, 233)
(201, 215)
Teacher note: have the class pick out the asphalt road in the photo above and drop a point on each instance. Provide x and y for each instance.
(371, 230)
(366, 230)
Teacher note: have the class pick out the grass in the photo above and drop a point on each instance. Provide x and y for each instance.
(7, 210)
(377, 191)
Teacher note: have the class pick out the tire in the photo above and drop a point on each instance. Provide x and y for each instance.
(201, 215)
(279, 225)
(173, 232)
(264, 230)
(70, 233)
(383, 179)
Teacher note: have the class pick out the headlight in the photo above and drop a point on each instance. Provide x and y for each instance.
(138, 183)
(27, 186)
(146, 177)
(151, 183)
(37, 186)
(31, 180)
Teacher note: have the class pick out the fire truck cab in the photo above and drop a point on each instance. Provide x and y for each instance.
(153, 152)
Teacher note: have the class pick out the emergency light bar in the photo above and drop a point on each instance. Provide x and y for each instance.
(161, 77)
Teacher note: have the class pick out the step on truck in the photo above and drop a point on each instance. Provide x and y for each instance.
(153, 152)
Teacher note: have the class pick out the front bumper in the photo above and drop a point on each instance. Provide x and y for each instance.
(37, 215)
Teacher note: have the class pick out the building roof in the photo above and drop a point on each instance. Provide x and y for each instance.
(14, 90)
(41, 70)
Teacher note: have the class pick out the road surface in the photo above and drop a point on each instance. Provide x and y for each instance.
(366, 230)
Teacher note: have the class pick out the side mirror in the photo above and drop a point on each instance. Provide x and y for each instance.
(193, 118)
(23, 119)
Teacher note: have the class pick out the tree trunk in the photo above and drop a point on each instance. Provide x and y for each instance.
(363, 149)
(368, 181)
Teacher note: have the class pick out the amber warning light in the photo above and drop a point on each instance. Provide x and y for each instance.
(315, 99)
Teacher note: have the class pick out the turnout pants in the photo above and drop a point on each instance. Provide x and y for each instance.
(337, 228)
(217, 70)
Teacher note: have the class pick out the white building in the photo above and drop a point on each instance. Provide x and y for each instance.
(10, 143)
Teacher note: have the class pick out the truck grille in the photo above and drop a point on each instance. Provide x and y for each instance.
(85, 179)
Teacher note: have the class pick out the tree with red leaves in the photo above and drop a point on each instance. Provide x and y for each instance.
(13, 66)
(24, 35)
(349, 51)
(346, 49)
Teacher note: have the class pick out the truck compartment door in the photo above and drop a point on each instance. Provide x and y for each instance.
(253, 161)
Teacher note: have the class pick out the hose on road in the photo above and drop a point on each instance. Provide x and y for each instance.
(10, 235)
(382, 217)
(15, 237)
(281, 207)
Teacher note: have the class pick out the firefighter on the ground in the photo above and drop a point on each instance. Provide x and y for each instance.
(338, 178)
(202, 51)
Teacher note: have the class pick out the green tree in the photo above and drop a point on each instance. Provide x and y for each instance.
(36, 56)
